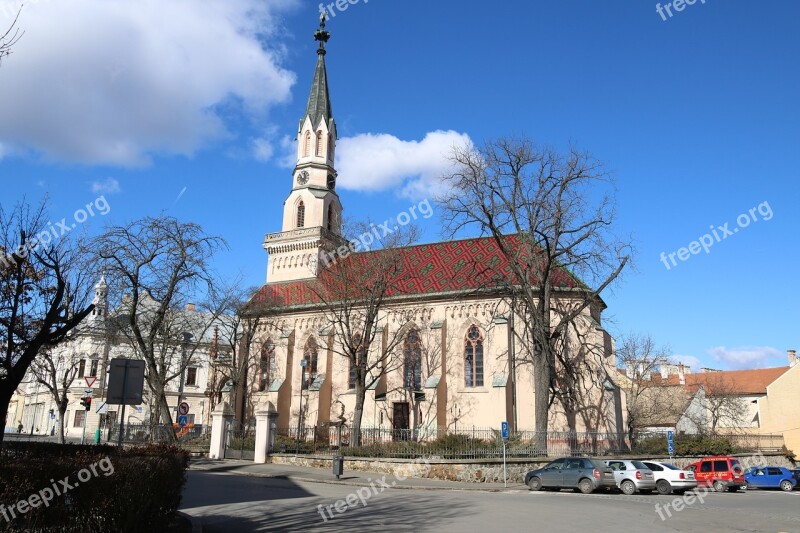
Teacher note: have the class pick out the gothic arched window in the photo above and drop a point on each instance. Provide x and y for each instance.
(310, 355)
(307, 145)
(301, 214)
(330, 218)
(473, 358)
(412, 361)
(265, 365)
(319, 143)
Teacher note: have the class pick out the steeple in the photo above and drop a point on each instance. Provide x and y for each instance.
(312, 213)
(319, 100)
(100, 301)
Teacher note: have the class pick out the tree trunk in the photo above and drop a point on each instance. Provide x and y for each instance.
(62, 411)
(5, 399)
(358, 413)
(541, 385)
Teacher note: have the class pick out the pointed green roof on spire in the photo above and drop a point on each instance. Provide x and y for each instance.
(319, 100)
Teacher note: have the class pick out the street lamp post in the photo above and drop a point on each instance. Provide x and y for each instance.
(300, 421)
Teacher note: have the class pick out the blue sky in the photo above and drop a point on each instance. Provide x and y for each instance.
(191, 107)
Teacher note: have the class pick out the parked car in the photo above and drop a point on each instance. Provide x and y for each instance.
(670, 478)
(632, 476)
(770, 477)
(582, 473)
(722, 472)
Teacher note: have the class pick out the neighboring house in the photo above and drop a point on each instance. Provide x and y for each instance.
(779, 410)
(89, 349)
(730, 401)
(451, 367)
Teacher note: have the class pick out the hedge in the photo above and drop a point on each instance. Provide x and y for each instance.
(107, 488)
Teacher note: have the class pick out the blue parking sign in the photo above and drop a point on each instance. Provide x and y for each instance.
(504, 430)
(670, 443)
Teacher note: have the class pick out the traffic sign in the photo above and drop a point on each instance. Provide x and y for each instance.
(183, 421)
(183, 409)
(90, 380)
(87, 393)
(670, 443)
(504, 430)
(103, 409)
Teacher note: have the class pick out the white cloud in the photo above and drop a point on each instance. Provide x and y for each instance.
(376, 162)
(109, 186)
(262, 149)
(747, 356)
(114, 81)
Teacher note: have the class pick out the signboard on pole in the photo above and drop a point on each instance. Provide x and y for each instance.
(102, 409)
(183, 421)
(504, 430)
(670, 443)
(126, 382)
(90, 380)
(183, 409)
(87, 393)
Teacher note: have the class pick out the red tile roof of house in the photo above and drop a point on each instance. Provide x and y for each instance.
(754, 381)
(461, 266)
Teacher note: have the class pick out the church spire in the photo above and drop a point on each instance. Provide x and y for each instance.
(319, 101)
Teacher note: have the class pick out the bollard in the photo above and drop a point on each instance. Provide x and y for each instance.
(338, 466)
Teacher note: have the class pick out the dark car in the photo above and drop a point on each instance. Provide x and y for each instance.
(582, 473)
(770, 477)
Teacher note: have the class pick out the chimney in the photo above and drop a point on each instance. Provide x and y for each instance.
(190, 307)
(792, 357)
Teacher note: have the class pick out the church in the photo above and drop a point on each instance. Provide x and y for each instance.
(446, 347)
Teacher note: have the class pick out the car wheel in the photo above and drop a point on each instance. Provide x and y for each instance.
(719, 486)
(586, 486)
(628, 487)
(663, 486)
(786, 485)
(748, 485)
(535, 483)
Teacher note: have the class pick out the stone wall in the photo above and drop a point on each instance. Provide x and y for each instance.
(476, 470)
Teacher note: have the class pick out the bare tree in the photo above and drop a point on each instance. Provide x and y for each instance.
(354, 291)
(641, 358)
(43, 293)
(10, 37)
(56, 369)
(155, 268)
(723, 405)
(551, 219)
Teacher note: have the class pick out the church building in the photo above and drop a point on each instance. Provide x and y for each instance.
(443, 339)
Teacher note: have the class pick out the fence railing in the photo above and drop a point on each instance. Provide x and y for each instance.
(480, 443)
(194, 438)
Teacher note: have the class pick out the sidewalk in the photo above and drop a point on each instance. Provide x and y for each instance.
(353, 478)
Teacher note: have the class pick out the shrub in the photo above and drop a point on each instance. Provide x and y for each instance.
(129, 489)
(685, 445)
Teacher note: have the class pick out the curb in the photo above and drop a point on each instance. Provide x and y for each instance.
(293, 477)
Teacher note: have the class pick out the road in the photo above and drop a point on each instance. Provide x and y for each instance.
(233, 502)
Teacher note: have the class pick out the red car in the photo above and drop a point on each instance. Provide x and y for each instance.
(722, 472)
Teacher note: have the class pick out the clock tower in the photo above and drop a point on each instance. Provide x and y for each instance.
(312, 214)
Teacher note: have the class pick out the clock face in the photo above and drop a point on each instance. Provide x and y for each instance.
(302, 177)
(331, 182)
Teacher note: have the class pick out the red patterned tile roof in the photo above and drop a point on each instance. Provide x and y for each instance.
(461, 266)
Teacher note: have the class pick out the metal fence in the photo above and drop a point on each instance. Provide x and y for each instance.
(482, 443)
(194, 438)
(240, 441)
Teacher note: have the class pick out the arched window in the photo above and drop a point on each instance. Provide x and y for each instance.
(319, 143)
(310, 356)
(307, 145)
(301, 214)
(473, 358)
(330, 218)
(412, 361)
(265, 365)
(361, 355)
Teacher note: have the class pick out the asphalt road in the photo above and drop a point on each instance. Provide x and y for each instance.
(228, 502)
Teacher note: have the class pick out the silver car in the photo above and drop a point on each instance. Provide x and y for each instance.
(632, 476)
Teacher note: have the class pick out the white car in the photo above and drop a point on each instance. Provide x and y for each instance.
(670, 478)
